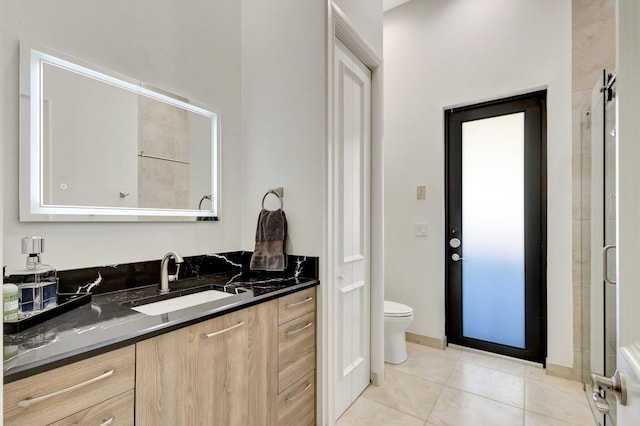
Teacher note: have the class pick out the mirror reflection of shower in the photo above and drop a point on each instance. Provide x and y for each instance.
(599, 292)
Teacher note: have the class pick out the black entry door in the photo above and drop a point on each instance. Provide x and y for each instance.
(496, 226)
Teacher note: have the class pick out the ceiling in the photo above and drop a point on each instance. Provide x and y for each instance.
(390, 4)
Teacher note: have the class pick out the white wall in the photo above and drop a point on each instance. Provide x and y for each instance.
(188, 48)
(283, 117)
(283, 110)
(446, 53)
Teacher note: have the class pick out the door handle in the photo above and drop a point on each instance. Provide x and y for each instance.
(605, 263)
(456, 257)
(455, 243)
(615, 384)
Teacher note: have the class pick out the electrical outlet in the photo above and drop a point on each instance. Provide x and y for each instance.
(421, 193)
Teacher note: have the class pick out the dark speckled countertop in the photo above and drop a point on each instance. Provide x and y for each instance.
(107, 323)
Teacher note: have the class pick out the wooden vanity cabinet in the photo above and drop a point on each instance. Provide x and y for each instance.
(90, 391)
(217, 372)
(115, 411)
(297, 358)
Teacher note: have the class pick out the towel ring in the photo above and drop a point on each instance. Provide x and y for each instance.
(271, 191)
(204, 197)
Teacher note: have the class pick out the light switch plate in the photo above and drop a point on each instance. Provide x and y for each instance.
(421, 192)
(422, 229)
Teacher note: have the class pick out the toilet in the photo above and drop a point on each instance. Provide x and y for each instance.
(397, 318)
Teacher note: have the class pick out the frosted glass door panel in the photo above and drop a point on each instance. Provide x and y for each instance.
(493, 274)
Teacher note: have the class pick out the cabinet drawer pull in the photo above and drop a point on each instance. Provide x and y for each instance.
(206, 336)
(108, 421)
(292, 397)
(30, 401)
(298, 330)
(293, 305)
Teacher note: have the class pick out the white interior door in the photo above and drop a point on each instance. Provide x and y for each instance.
(352, 81)
(628, 232)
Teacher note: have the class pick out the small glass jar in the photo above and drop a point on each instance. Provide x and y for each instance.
(37, 289)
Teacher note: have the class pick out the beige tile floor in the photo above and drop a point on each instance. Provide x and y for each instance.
(455, 387)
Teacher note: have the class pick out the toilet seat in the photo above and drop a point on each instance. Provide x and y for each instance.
(396, 310)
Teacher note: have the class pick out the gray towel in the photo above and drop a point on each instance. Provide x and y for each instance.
(271, 234)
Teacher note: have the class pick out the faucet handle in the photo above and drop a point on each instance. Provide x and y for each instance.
(174, 277)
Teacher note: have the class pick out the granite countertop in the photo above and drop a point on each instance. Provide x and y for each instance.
(107, 323)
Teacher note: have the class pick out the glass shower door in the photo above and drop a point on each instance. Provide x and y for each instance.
(602, 330)
(609, 265)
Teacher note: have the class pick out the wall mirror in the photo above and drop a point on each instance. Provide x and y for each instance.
(99, 146)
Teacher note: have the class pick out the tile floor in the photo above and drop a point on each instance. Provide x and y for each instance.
(455, 387)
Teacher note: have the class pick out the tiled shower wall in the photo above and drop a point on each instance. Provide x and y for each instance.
(163, 130)
(593, 40)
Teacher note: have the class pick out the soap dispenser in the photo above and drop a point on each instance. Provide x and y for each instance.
(37, 283)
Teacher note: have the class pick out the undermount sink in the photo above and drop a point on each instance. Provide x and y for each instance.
(182, 302)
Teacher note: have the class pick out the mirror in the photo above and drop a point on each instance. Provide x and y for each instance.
(99, 146)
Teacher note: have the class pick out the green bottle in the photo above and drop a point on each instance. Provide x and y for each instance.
(10, 305)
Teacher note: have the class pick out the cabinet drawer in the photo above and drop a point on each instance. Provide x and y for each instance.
(296, 304)
(117, 411)
(56, 394)
(297, 349)
(297, 406)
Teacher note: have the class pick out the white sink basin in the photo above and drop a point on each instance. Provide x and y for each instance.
(182, 302)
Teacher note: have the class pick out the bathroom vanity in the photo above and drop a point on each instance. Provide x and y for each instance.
(246, 359)
(263, 368)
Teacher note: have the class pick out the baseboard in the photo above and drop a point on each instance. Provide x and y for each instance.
(375, 379)
(432, 342)
(563, 372)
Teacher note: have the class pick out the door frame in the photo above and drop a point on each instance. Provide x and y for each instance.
(338, 25)
(535, 103)
(628, 202)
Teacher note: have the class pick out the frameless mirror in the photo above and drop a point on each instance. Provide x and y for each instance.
(99, 146)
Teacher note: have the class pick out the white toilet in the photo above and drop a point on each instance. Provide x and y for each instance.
(397, 318)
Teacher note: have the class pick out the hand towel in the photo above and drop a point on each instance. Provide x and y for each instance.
(271, 234)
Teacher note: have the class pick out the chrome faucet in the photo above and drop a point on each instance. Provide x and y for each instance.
(165, 278)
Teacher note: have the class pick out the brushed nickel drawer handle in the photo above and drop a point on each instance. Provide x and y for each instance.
(30, 401)
(108, 421)
(292, 397)
(206, 336)
(298, 330)
(293, 305)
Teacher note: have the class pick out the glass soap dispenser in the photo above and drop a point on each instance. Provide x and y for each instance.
(37, 283)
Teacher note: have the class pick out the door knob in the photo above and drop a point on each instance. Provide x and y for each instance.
(455, 242)
(456, 257)
(615, 384)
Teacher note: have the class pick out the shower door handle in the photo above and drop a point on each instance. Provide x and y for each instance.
(615, 384)
(605, 264)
